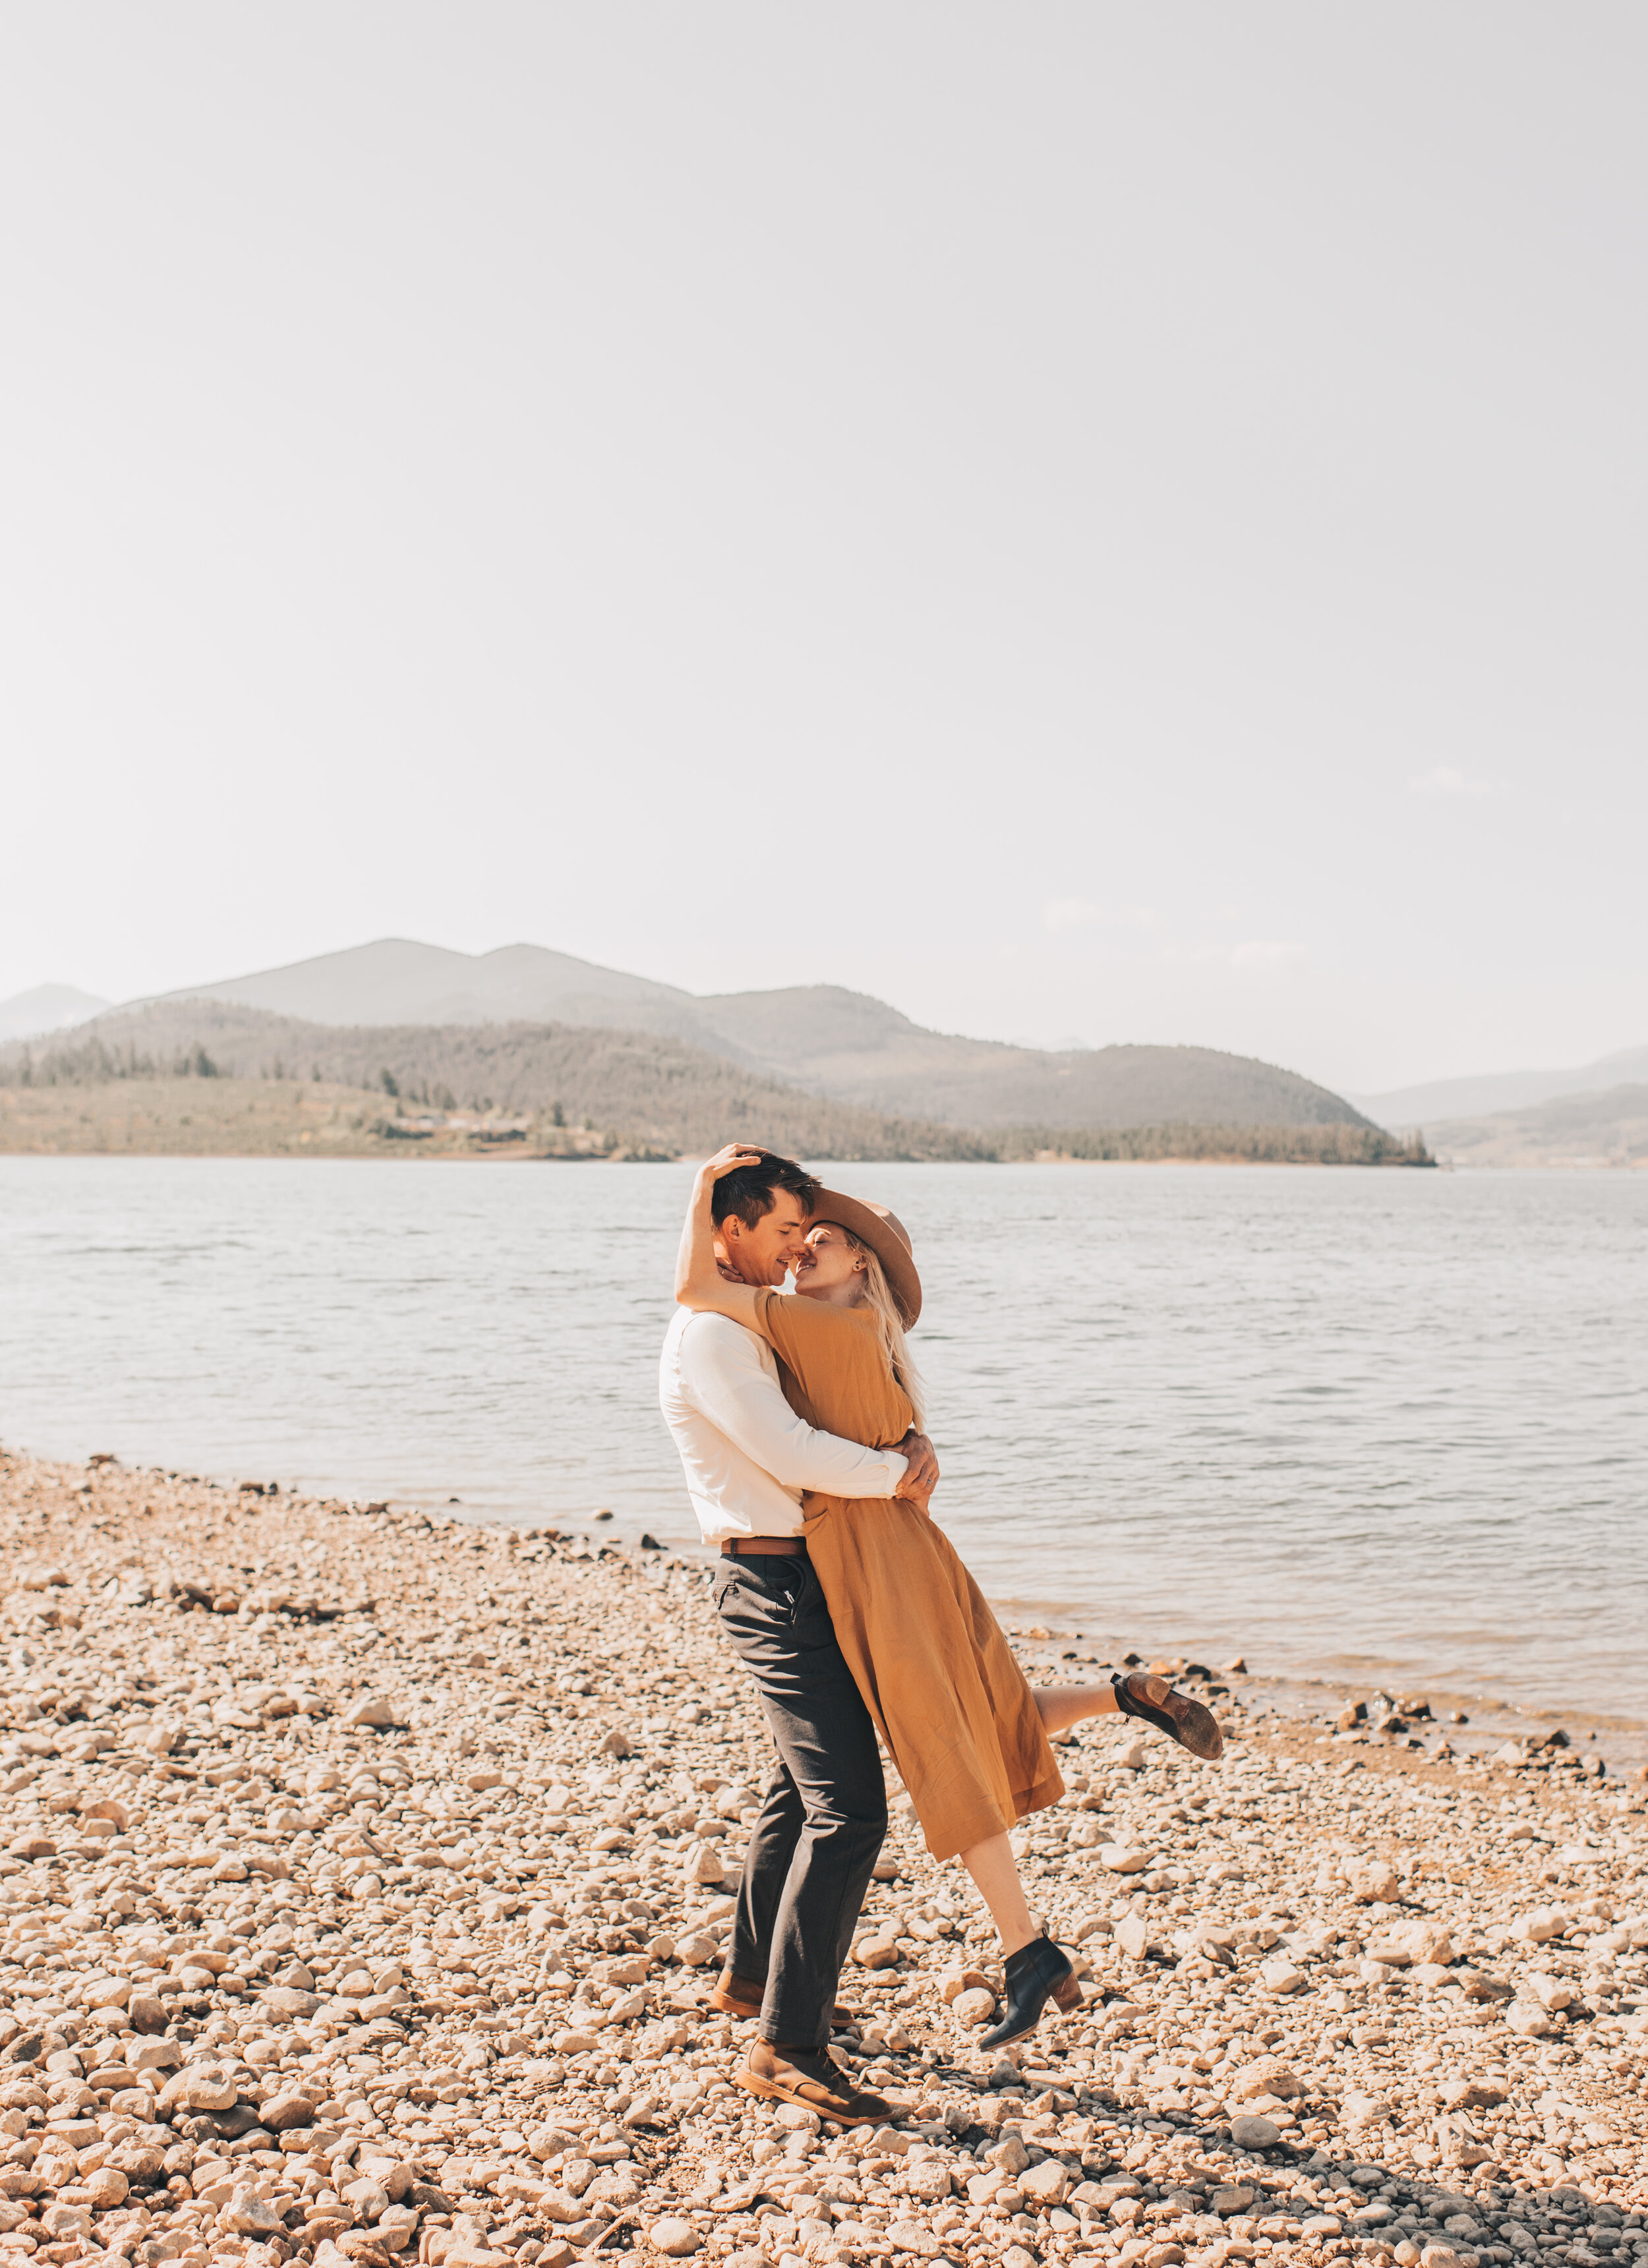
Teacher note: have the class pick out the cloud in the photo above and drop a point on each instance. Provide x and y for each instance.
(1253, 952)
(1264, 953)
(1073, 913)
(1083, 913)
(1448, 780)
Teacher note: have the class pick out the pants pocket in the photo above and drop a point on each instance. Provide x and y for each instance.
(810, 1614)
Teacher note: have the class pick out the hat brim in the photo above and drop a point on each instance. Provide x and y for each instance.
(886, 1239)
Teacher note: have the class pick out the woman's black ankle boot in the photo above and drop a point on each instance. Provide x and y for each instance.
(1034, 1972)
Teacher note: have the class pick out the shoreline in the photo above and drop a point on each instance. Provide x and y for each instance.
(363, 1874)
(222, 1115)
(488, 1154)
(1452, 1716)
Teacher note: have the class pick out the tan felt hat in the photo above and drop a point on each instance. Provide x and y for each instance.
(887, 1237)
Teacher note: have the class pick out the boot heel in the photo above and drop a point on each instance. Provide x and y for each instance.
(1036, 1973)
(1067, 1995)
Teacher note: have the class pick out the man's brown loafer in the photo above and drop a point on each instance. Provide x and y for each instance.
(814, 2081)
(742, 1996)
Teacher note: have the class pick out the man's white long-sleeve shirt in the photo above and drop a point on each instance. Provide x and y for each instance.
(746, 1456)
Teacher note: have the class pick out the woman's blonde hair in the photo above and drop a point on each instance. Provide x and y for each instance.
(879, 1300)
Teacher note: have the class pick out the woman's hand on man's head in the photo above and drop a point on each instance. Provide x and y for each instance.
(727, 1161)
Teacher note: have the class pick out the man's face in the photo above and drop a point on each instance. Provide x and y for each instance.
(764, 1253)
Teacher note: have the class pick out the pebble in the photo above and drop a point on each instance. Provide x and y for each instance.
(1122, 1859)
(363, 1877)
(673, 2237)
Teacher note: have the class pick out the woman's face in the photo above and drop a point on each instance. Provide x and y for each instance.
(828, 1266)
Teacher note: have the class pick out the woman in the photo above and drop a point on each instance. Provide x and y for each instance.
(969, 1738)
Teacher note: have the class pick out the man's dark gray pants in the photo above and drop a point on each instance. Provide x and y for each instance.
(813, 1849)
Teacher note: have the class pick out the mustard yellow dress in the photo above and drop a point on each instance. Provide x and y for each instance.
(949, 1701)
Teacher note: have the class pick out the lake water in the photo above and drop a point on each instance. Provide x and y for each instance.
(1390, 1425)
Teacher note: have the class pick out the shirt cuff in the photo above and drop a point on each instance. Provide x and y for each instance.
(898, 1465)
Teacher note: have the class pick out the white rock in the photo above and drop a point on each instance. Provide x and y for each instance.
(1527, 2020)
(1541, 1925)
(673, 2237)
(1424, 1939)
(1551, 1993)
(1122, 1858)
(1359, 2110)
(1374, 1881)
(203, 2085)
(253, 2216)
(702, 1863)
(1265, 2076)
(572, 2042)
(1133, 1936)
(1048, 2184)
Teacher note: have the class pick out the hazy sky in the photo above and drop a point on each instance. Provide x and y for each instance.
(1084, 520)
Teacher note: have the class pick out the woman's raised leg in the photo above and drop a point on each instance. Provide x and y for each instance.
(1065, 1705)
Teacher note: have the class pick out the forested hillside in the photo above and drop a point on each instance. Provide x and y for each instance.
(547, 1089)
(651, 1093)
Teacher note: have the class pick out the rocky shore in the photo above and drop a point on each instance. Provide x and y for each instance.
(363, 1875)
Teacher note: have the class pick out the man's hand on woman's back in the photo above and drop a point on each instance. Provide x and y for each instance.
(921, 1476)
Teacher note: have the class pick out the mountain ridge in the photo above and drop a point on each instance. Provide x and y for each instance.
(48, 1008)
(1485, 1092)
(1597, 1126)
(120, 1085)
(848, 1047)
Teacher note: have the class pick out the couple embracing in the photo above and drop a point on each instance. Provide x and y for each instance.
(797, 1417)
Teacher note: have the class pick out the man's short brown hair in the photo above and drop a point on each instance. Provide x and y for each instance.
(752, 1191)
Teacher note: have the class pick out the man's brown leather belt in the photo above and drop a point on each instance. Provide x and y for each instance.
(748, 1547)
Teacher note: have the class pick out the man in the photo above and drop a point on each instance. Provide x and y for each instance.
(748, 1459)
